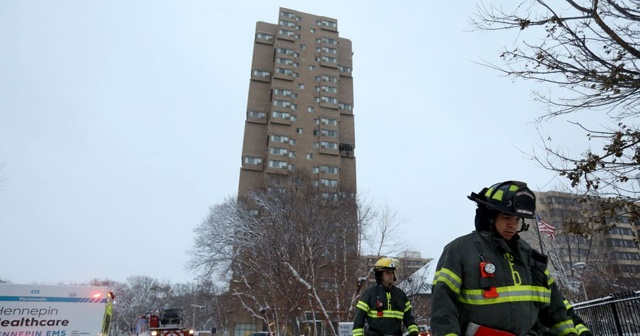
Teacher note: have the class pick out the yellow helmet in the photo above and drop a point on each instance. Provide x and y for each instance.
(385, 264)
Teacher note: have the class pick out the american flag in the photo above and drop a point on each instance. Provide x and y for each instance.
(546, 227)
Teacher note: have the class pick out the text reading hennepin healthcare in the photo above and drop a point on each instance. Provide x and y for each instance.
(31, 317)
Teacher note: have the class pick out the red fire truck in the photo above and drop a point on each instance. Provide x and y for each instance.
(164, 322)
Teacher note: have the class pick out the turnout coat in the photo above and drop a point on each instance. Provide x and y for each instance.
(384, 309)
(482, 279)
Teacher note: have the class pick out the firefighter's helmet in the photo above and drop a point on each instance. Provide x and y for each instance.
(385, 264)
(511, 197)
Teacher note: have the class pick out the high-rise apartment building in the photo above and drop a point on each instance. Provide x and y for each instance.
(588, 253)
(300, 104)
(409, 262)
(299, 119)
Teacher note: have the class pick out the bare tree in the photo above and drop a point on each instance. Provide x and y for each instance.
(213, 250)
(581, 251)
(587, 50)
(382, 235)
(141, 295)
(418, 289)
(214, 298)
(291, 247)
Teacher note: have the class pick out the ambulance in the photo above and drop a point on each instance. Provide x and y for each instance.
(42, 310)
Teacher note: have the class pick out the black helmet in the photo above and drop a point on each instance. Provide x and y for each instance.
(512, 197)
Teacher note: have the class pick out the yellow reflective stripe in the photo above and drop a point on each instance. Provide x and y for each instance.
(550, 280)
(498, 195)
(567, 304)
(407, 306)
(393, 314)
(358, 332)
(363, 305)
(581, 328)
(564, 328)
(412, 328)
(449, 278)
(452, 334)
(506, 294)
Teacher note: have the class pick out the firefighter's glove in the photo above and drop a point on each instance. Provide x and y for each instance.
(586, 333)
(415, 333)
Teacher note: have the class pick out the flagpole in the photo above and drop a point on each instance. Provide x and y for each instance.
(538, 231)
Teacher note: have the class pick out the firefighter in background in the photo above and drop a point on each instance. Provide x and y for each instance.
(491, 282)
(384, 306)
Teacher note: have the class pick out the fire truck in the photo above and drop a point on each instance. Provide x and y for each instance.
(164, 322)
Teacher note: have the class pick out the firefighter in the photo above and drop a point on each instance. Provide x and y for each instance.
(581, 327)
(384, 306)
(491, 282)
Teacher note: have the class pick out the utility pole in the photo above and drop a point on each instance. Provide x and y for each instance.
(584, 290)
(194, 314)
(194, 305)
(579, 267)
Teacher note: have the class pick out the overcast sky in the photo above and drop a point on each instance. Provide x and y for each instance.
(121, 122)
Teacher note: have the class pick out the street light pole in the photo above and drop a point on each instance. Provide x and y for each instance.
(584, 290)
(194, 299)
(194, 314)
(579, 267)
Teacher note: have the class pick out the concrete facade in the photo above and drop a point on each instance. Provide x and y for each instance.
(300, 106)
(610, 252)
(299, 117)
